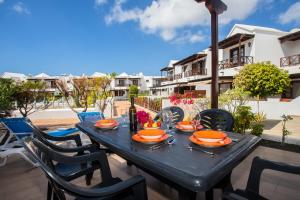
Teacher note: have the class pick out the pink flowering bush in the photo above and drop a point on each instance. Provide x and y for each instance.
(142, 117)
(186, 99)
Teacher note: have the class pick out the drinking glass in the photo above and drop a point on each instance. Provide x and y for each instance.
(124, 118)
(168, 120)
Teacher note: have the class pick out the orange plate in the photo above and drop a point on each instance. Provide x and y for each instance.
(210, 134)
(224, 142)
(151, 132)
(106, 123)
(199, 127)
(184, 123)
(137, 138)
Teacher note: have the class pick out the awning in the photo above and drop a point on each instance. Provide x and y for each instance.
(290, 37)
(190, 59)
(235, 39)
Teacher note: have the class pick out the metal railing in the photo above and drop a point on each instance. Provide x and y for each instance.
(195, 73)
(290, 61)
(234, 62)
(177, 76)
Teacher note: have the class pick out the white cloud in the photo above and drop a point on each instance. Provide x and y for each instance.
(291, 15)
(100, 2)
(21, 8)
(117, 13)
(172, 18)
(1, 1)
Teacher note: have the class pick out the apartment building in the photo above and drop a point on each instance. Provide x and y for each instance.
(243, 45)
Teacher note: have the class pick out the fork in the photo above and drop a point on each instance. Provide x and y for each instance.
(197, 148)
(169, 142)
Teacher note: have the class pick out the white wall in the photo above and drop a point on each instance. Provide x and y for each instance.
(267, 48)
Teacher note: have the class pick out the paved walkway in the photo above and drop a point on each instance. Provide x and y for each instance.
(19, 180)
(273, 130)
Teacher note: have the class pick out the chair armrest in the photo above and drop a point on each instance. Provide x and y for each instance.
(259, 164)
(74, 137)
(91, 148)
(136, 183)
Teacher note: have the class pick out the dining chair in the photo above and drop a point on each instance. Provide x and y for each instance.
(252, 189)
(216, 119)
(110, 188)
(178, 113)
(90, 116)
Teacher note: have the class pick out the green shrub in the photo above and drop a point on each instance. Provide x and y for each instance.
(133, 91)
(243, 118)
(257, 129)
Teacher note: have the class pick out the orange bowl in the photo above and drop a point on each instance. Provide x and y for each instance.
(185, 125)
(151, 133)
(210, 135)
(106, 122)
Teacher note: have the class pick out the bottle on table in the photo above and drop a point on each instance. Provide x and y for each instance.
(132, 116)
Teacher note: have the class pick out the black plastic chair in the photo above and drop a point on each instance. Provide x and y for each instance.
(110, 188)
(216, 119)
(178, 113)
(252, 189)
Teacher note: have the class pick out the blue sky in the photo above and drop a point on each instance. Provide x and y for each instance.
(84, 36)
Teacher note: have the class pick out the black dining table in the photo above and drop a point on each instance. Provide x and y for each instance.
(188, 170)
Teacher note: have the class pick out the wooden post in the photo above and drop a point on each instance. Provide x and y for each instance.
(215, 8)
(214, 60)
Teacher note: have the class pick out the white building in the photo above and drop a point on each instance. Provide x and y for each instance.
(14, 76)
(49, 80)
(244, 44)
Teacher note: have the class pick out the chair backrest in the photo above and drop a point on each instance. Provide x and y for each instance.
(178, 113)
(17, 125)
(216, 119)
(61, 186)
(90, 116)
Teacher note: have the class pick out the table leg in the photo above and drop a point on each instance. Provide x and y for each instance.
(186, 194)
(225, 183)
(209, 195)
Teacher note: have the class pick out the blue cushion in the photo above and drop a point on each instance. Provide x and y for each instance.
(59, 133)
(18, 126)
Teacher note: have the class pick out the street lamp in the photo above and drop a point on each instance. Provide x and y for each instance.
(215, 8)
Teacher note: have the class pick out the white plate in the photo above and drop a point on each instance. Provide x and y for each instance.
(151, 137)
(209, 140)
(151, 128)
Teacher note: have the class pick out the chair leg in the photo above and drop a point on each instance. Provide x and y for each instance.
(49, 192)
(4, 161)
(88, 178)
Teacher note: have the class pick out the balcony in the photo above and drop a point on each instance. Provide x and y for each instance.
(177, 76)
(195, 73)
(169, 78)
(233, 62)
(121, 85)
(290, 61)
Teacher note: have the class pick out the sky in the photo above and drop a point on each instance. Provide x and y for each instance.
(85, 36)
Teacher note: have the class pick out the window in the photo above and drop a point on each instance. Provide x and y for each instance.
(234, 53)
(135, 82)
(223, 87)
(121, 83)
(147, 81)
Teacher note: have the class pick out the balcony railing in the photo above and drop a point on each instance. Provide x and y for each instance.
(177, 76)
(169, 78)
(122, 84)
(233, 62)
(195, 73)
(290, 61)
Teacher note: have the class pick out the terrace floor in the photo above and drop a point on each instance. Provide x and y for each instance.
(19, 180)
